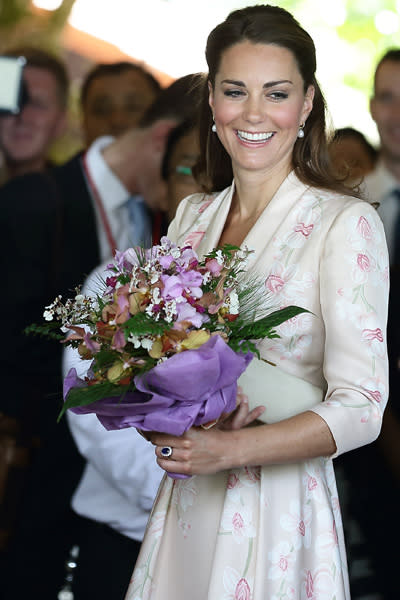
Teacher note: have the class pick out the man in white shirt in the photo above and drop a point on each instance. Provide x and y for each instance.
(121, 477)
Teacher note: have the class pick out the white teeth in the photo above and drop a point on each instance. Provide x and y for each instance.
(254, 137)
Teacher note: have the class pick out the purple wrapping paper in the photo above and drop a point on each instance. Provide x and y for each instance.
(189, 389)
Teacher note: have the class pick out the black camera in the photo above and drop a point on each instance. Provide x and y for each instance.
(12, 87)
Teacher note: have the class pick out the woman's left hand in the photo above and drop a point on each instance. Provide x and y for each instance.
(196, 452)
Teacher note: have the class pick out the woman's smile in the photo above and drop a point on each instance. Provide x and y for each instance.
(254, 138)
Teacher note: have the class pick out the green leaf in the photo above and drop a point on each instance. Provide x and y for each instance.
(142, 324)
(47, 330)
(84, 396)
(264, 326)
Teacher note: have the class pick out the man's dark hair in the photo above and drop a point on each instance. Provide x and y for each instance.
(392, 55)
(116, 68)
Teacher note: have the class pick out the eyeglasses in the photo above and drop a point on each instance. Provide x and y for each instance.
(183, 170)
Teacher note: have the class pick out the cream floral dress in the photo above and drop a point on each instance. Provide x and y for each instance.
(275, 532)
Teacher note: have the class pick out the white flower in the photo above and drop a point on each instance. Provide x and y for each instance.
(238, 521)
(135, 340)
(147, 343)
(298, 523)
(48, 315)
(233, 303)
(281, 558)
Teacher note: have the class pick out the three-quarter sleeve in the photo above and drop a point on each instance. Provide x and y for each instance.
(354, 284)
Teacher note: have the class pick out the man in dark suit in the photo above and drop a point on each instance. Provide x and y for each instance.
(49, 243)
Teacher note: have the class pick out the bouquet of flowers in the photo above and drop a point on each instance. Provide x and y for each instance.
(167, 337)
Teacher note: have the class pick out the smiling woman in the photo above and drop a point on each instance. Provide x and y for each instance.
(260, 518)
(258, 118)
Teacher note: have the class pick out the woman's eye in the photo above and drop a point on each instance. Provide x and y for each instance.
(233, 93)
(279, 95)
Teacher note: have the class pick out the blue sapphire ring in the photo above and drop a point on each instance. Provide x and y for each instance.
(166, 451)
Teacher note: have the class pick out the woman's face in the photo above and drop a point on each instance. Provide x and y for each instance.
(258, 103)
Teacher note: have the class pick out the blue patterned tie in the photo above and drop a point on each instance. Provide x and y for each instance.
(396, 241)
(140, 226)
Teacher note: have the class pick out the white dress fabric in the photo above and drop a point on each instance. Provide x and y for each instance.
(275, 532)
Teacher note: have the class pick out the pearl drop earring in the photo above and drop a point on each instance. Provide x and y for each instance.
(214, 127)
(300, 133)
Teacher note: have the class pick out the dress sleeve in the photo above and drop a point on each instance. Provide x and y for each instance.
(354, 284)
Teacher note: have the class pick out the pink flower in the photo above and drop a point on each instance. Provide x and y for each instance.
(90, 343)
(242, 591)
(214, 266)
(176, 285)
(118, 341)
(186, 312)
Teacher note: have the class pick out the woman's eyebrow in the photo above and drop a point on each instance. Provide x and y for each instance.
(266, 85)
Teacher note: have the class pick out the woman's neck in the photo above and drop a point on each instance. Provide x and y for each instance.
(252, 195)
(254, 191)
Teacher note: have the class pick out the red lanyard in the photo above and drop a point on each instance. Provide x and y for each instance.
(100, 207)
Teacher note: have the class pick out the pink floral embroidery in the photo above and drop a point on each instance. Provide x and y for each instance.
(373, 334)
(283, 563)
(274, 283)
(233, 481)
(237, 522)
(304, 229)
(205, 205)
(302, 528)
(253, 474)
(194, 238)
(281, 559)
(377, 396)
(318, 585)
(363, 262)
(242, 591)
(309, 585)
(312, 483)
(364, 229)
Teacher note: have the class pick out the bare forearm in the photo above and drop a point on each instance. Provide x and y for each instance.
(298, 438)
(201, 452)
